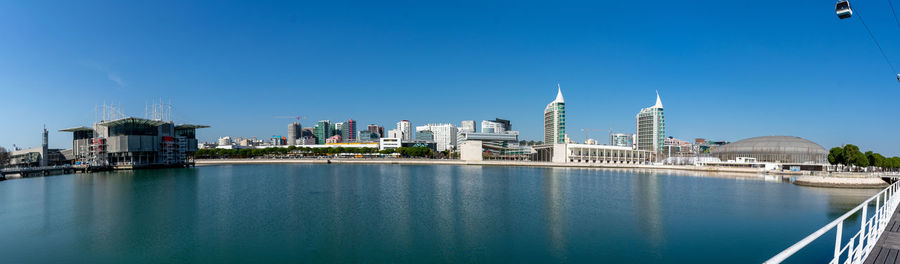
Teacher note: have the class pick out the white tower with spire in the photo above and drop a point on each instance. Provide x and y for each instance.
(651, 127)
(555, 119)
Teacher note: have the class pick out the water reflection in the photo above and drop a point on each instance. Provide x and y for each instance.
(646, 196)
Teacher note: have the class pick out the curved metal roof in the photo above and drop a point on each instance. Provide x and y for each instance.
(783, 144)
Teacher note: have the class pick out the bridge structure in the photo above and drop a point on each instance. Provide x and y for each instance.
(878, 238)
(42, 171)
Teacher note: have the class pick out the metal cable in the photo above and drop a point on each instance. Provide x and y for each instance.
(886, 59)
(894, 13)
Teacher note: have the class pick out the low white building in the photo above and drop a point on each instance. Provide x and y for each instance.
(584, 153)
(389, 143)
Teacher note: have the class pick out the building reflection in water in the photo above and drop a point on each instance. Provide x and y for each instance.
(555, 208)
(647, 203)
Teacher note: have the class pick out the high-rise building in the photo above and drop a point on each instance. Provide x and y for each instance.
(555, 120)
(376, 129)
(444, 135)
(467, 126)
(651, 127)
(349, 132)
(322, 131)
(338, 129)
(621, 140)
(405, 128)
(293, 133)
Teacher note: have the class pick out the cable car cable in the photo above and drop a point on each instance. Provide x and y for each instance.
(886, 59)
(894, 12)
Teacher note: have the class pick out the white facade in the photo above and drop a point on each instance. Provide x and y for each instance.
(394, 133)
(651, 128)
(555, 120)
(225, 141)
(389, 143)
(405, 128)
(471, 150)
(488, 126)
(444, 135)
(467, 126)
(583, 153)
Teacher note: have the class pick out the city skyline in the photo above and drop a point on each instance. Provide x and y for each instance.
(741, 78)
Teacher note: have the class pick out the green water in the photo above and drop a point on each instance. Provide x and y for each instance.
(422, 214)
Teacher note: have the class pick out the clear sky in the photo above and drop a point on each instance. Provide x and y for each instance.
(726, 70)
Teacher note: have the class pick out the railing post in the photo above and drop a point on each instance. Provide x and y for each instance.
(862, 232)
(837, 241)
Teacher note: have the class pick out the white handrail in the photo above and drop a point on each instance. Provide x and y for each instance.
(870, 229)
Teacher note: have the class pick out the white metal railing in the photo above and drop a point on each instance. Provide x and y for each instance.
(857, 248)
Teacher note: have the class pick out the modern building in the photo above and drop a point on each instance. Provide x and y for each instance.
(424, 135)
(621, 140)
(225, 141)
(492, 126)
(405, 128)
(395, 133)
(338, 129)
(389, 143)
(348, 133)
(651, 128)
(129, 143)
(673, 146)
(278, 141)
(467, 126)
(364, 136)
(333, 139)
(323, 131)
(293, 133)
(495, 145)
(40, 156)
(555, 120)
(584, 153)
(376, 129)
(776, 149)
(444, 135)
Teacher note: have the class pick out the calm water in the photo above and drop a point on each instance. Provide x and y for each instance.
(393, 213)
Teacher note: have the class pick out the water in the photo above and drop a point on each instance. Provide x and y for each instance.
(394, 213)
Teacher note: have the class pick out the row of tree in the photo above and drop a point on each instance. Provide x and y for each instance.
(307, 151)
(850, 155)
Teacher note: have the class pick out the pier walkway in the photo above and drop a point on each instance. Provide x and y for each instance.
(887, 248)
(878, 238)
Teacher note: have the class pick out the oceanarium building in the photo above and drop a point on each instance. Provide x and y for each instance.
(777, 149)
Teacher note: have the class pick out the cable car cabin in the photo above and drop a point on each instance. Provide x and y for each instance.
(898, 77)
(843, 9)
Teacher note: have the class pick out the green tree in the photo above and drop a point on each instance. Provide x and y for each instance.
(852, 156)
(836, 156)
(4, 157)
(860, 160)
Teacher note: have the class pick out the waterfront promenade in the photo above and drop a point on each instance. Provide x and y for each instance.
(887, 248)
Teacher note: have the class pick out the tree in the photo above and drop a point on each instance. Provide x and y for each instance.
(4, 157)
(859, 159)
(836, 156)
(852, 156)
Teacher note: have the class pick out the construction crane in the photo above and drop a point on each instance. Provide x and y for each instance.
(587, 132)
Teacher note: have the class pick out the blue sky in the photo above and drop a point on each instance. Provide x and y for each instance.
(726, 70)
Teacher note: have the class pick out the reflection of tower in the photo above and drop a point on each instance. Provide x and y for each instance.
(646, 193)
(554, 203)
(44, 148)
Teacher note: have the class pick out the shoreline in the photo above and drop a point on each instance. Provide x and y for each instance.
(836, 180)
(208, 162)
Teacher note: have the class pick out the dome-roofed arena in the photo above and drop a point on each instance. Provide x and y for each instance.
(780, 149)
